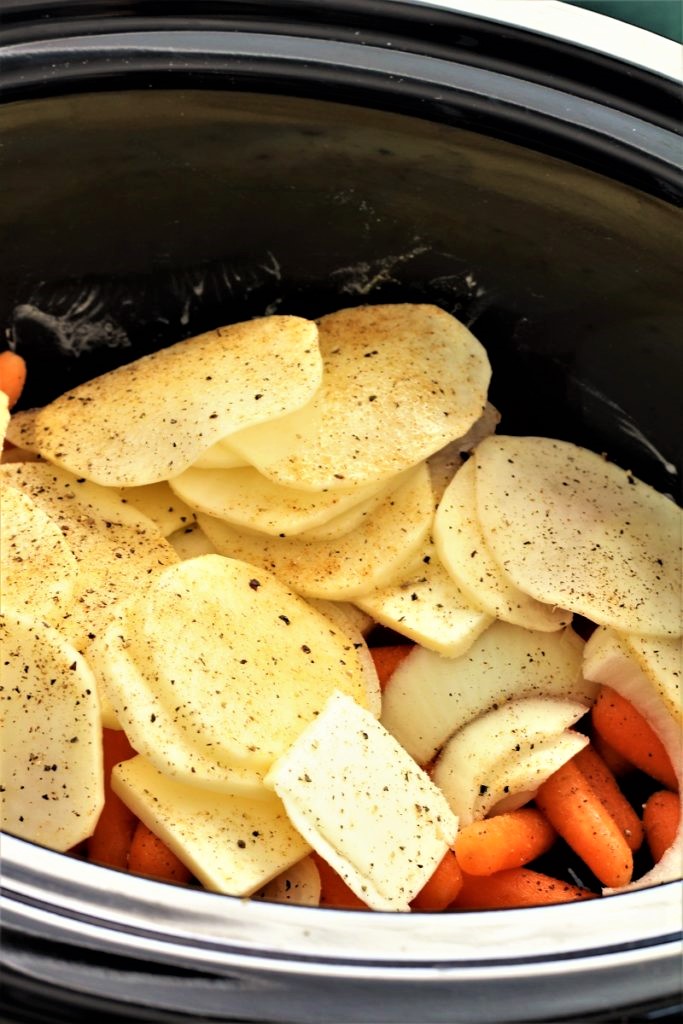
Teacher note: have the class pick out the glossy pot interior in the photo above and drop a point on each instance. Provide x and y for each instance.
(134, 216)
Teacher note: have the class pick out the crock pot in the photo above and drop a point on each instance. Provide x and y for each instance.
(170, 166)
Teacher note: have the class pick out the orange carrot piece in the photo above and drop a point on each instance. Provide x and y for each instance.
(151, 857)
(334, 892)
(631, 735)
(516, 887)
(617, 764)
(572, 807)
(387, 660)
(661, 818)
(442, 888)
(110, 842)
(504, 841)
(606, 787)
(12, 375)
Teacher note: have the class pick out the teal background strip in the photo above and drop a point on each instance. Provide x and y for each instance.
(664, 17)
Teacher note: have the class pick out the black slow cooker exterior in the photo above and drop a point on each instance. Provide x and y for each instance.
(166, 167)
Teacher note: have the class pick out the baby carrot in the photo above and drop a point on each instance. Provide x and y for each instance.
(516, 887)
(149, 856)
(442, 888)
(624, 728)
(110, 842)
(572, 807)
(334, 892)
(661, 817)
(617, 764)
(12, 375)
(503, 841)
(387, 660)
(605, 786)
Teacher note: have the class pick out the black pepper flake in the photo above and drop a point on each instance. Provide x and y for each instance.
(284, 619)
(305, 648)
(241, 843)
(483, 789)
(254, 584)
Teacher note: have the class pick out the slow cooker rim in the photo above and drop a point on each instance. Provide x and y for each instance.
(550, 43)
(631, 150)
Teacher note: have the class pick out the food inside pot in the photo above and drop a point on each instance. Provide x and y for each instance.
(287, 614)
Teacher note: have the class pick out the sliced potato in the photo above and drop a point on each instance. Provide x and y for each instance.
(355, 795)
(159, 504)
(38, 570)
(164, 733)
(21, 430)
(52, 779)
(400, 382)
(219, 456)
(661, 660)
(256, 662)
(427, 606)
(151, 419)
(577, 532)
(465, 554)
(190, 542)
(431, 697)
(299, 885)
(346, 568)
(476, 756)
(113, 558)
(4, 417)
(444, 464)
(232, 844)
(247, 499)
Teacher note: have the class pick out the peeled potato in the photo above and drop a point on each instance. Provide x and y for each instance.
(465, 554)
(400, 382)
(113, 557)
(577, 532)
(345, 568)
(661, 661)
(230, 843)
(21, 430)
(38, 571)
(52, 779)
(426, 605)
(151, 419)
(247, 499)
(299, 885)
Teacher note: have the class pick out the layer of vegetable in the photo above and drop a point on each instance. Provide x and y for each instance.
(213, 566)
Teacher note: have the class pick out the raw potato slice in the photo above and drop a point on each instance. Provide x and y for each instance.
(231, 844)
(359, 800)
(247, 499)
(343, 612)
(52, 778)
(430, 697)
(165, 734)
(72, 497)
(219, 456)
(428, 606)
(465, 554)
(159, 504)
(355, 517)
(346, 568)
(648, 677)
(444, 464)
(350, 621)
(4, 417)
(151, 419)
(38, 571)
(190, 542)
(400, 382)
(256, 662)
(21, 430)
(112, 558)
(299, 885)
(578, 532)
(473, 758)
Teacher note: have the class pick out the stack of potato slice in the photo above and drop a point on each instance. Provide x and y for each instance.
(207, 532)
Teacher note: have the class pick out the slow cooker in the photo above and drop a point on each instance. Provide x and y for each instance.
(167, 167)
